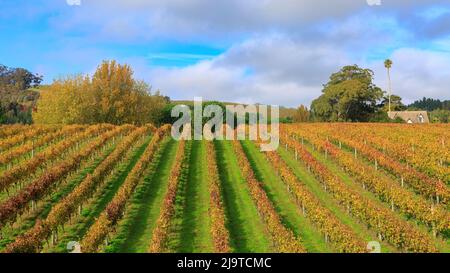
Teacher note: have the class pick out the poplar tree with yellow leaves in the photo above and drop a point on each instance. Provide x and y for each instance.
(112, 95)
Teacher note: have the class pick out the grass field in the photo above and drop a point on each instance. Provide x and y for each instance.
(328, 188)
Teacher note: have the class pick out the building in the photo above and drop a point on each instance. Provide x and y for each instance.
(410, 116)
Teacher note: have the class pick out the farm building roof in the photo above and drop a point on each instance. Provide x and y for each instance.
(410, 116)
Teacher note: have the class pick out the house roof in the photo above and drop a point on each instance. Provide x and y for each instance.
(413, 116)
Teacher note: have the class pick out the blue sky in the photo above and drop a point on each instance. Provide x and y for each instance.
(267, 51)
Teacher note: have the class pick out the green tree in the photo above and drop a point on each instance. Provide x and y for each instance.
(428, 104)
(396, 104)
(18, 79)
(17, 94)
(350, 95)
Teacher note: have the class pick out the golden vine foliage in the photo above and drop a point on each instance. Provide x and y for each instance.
(216, 212)
(389, 191)
(42, 185)
(23, 135)
(390, 227)
(342, 237)
(39, 141)
(159, 237)
(28, 167)
(419, 182)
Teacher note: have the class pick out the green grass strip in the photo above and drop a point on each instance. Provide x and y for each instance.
(195, 233)
(247, 231)
(174, 237)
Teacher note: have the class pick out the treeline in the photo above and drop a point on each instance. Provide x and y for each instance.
(111, 95)
(429, 105)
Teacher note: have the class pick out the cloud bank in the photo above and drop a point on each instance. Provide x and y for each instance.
(267, 51)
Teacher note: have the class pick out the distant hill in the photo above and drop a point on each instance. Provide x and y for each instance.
(285, 112)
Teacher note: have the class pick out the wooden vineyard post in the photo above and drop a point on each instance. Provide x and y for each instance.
(434, 230)
(437, 194)
(376, 165)
(296, 154)
(433, 224)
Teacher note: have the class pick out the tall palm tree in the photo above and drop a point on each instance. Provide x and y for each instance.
(388, 65)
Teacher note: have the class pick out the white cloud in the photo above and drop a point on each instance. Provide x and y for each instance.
(417, 73)
(221, 20)
(271, 70)
(279, 70)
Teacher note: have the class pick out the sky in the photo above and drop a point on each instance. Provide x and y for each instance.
(250, 51)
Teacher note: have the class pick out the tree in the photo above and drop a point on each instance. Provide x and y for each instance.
(301, 114)
(396, 104)
(16, 98)
(388, 65)
(67, 101)
(350, 95)
(18, 78)
(111, 96)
